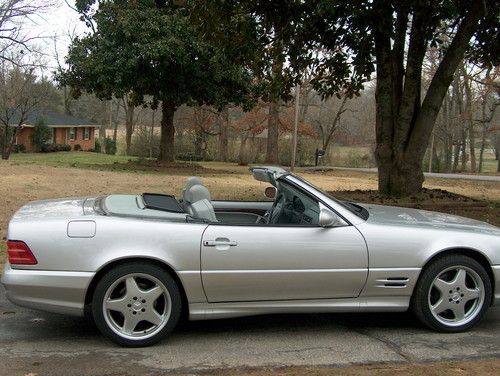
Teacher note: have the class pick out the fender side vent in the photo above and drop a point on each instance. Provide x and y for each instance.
(392, 282)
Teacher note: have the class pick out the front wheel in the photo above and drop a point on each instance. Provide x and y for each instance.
(136, 304)
(452, 294)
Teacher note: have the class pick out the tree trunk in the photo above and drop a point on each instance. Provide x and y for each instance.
(4, 142)
(9, 141)
(484, 129)
(401, 177)
(223, 134)
(272, 154)
(463, 147)
(243, 155)
(448, 135)
(273, 133)
(468, 119)
(200, 143)
(151, 134)
(115, 121)
(167, 152)
(67, 101)
(404, 123)
(129, 126)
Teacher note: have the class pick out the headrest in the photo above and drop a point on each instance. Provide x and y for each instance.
(193, 180)
(197, 193)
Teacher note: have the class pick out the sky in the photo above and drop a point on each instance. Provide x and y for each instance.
(59, 21)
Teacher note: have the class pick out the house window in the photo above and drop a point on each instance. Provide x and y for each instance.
(86, 133)
(72, 134)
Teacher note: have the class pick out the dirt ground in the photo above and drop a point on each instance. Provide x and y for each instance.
(470, 367)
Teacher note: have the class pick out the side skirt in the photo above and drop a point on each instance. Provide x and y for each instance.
(207, 311)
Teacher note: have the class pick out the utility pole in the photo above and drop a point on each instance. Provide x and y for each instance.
(296, 126)
(431, 154)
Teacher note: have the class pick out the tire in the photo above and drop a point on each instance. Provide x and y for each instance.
(136, 304)
(452, 294)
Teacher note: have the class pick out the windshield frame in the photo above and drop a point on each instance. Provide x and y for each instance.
(361, 214)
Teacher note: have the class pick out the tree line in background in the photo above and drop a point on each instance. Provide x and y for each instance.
(216, 80)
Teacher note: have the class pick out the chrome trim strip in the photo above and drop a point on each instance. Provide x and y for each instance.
(283, 271)
(394, 269)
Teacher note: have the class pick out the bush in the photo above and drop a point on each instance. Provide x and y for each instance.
(42, 134)
(52, 148)
(77, 147)
(110, 146)
(144, 144)
(191, 157)
(19, 148)
(97, 146)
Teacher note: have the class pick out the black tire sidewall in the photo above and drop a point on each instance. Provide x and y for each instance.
(136, 267)
(420, 297)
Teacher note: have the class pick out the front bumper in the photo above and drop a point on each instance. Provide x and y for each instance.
(52, 291)
(496, 286)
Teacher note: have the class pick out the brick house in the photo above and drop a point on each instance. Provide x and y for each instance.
(66, 129)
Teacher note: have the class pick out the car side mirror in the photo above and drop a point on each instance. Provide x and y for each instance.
(327, 218)
(270, 192)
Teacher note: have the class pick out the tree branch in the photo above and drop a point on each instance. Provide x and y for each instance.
(442, 79)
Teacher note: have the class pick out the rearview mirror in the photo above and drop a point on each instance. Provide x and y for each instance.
(327, 218)
(270, 192)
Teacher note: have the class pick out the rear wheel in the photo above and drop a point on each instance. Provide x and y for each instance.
(136, 304)
(452, 294)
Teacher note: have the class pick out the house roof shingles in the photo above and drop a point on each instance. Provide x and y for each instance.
(53, 119)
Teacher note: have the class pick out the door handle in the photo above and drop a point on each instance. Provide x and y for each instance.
(215, 243)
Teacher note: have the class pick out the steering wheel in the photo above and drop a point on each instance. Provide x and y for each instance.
(276, 209)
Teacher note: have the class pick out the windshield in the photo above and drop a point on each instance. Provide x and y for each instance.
(356, 209)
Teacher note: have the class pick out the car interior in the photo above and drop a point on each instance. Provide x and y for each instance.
(290, 206)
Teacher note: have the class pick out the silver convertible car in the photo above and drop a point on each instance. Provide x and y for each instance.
(138, 262)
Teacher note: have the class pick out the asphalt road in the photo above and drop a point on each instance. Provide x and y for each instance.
(492, 178)
(47, 344)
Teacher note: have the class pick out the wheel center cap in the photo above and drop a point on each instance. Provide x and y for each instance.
(137, 306)
(455, 297)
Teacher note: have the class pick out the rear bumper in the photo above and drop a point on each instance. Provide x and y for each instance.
(52, 291)
(496, 286)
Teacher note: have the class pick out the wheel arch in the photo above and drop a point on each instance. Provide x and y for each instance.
(474, 254)
(114, 263)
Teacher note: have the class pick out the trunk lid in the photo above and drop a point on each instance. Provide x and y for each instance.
(49, 209)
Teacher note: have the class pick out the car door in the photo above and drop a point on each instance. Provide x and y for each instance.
(282, 262)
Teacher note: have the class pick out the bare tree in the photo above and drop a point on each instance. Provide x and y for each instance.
(20, 93)
(326, 115)
(14, 16)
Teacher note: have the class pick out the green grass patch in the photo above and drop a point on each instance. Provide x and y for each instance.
(70, 159)
(120, 163)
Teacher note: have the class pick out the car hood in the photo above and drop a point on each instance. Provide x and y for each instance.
(392, 215)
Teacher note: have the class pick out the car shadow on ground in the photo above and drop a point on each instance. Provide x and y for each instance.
(284, 322)
(23, 324)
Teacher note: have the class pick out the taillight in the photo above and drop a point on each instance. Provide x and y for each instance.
(19, 253)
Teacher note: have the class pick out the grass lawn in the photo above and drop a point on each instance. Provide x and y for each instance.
(69, 159)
